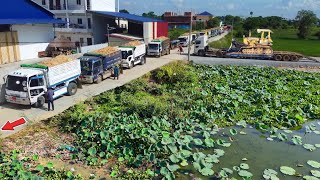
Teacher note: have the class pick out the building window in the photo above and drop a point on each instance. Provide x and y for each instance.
(43, 2)
(81, 41)
(89, 41)
(89, 23)
(78, 2)
(79, 21)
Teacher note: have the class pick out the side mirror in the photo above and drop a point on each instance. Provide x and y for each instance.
(5, 78)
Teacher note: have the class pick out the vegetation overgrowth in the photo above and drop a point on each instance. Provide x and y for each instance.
(149, 125)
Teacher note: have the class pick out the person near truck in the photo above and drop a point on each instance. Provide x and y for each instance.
(116, 72)
(50, 94)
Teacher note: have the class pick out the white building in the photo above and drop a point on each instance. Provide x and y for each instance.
(80, 25)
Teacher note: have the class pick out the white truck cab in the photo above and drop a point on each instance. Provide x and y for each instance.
(184, 40)
(200, 45)
(133, 55)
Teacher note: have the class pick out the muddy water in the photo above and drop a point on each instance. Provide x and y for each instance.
(263, 154)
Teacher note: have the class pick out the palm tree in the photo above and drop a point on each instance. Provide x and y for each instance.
(251, 13)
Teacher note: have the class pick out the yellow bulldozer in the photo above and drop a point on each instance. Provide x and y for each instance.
(255, 45)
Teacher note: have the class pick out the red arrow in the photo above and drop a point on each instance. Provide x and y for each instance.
(10, 126)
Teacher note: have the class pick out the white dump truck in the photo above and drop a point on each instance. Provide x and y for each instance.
(28, 85)
(159, 47)
(133, 53)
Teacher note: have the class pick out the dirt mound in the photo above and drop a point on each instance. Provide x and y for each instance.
(133, 43)
(56, 61)
(106, 50)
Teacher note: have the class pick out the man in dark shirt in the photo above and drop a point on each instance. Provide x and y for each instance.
(50, 94)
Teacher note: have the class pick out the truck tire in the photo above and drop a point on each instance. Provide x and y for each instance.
(99, 79)
(143, 60)
(286, 58)
(72, 89)
(131, 65)
(201, 53)
(40, 102)
(278, 57)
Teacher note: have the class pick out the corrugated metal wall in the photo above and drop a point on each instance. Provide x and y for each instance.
(162, 29)
(9, 48)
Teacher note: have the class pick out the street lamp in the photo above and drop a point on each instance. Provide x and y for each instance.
(109, 29)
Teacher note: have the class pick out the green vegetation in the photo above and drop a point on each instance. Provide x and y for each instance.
(224, 42)
(175, 33)
(152, 125)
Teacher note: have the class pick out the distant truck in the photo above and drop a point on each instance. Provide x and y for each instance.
(27, 85)
(184, 40)
(133, 53)
(159, 47)
(97, 65)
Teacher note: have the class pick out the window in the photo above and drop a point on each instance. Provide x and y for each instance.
(43, 2)
(78, 2)
(89, 41)
(81, 41)
(79, 21)
(36, 81)
(89, 23)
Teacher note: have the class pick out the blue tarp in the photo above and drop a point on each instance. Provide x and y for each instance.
(25, 12)
(130, 17)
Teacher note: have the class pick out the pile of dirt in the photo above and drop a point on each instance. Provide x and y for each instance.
(162, 38)
(56, 61)
(106, 50)
(133, 43)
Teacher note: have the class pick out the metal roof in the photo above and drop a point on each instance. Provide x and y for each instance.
(130, 17)
(205, 13)
(25, 12)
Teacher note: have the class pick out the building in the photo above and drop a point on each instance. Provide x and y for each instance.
(81, 26)
(203, 17)
(181, 21)
(25, 30)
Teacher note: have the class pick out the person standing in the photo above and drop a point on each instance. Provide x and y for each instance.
(50, 95)
(116, 72)
(180, 49)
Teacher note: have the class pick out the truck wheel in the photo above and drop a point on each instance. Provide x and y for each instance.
(278, 57)
(286, 58)
(143, 60)
(100, 78)
(131, 65)
(40, 102)
(72, 89)
(201, 53)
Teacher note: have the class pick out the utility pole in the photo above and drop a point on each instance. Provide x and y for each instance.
(190, 31)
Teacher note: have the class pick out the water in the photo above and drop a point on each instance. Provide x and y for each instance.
(263, 154)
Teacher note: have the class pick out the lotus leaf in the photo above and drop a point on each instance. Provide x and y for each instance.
(270, 174)
(317, 145)
(297, 140)
(312, 127)
(310, 178)
(212, 158)
(172, 148)
(206, 171)
(219, 152)
(92, 151)
(287, 131)
(236, 168)
(244, 166)
(228, 171)
(244, 173)
(309, 147)
(198, 141)
(199, 155)
(282, 137)
(185, 153)
(206, 134)
(184, 163)
(209, 142)
(308, 130)
(287, 170)
(196, 166)
(269, 139)
(313, 164)
(173, 168)
(242, 123)
(233, 132)
(243, 133)
(317, 132)
(315, 173)
(223, 143)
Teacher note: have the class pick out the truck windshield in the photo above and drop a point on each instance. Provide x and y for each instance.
(153, 46)
(183, 39)
(124, 54)
(15, 83)
(86, 67)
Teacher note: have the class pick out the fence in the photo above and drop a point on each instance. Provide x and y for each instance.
(86, 49)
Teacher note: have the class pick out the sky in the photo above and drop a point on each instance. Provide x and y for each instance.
(283, 8)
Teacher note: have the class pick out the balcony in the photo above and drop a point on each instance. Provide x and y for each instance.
(69, 9)
(73, 28)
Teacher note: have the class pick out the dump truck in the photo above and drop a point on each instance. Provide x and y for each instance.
(98, 65)
(28, 85)
(133, 53)
(159, 47)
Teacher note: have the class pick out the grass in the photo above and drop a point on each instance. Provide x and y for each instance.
(283, 40)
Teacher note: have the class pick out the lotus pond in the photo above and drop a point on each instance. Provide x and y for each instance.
(185, 121)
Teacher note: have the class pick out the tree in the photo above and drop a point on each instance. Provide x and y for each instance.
(124, 11)
(251, 13)
(214, 22)
(305, 19)
(151, 14)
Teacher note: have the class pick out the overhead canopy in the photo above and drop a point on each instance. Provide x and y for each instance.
(25, 12)
(130, 17)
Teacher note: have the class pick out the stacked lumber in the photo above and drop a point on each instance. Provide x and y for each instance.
(56, 61)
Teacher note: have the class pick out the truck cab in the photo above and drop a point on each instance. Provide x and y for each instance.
(184, 40)
(155, 48)
(91, 68)
(26, 87)
(201, 45)
(127, 57)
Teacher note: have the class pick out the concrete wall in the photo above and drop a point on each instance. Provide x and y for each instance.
(148, 31)
(103, 5)
(99, 28)
(33, 38)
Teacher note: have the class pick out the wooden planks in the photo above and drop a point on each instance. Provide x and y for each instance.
(9, 47)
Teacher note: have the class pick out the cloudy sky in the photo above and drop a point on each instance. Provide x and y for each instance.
(284, 8)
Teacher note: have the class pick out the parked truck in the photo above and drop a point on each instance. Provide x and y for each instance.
(184, 40)
(159, 47)
(98, 65)
(27, 85)
(133, 53)
(201, 47)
